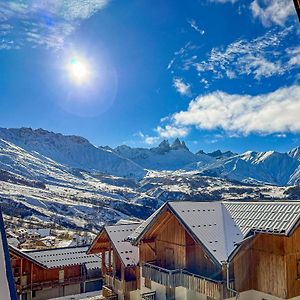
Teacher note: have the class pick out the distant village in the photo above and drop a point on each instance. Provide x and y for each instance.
(37, 235)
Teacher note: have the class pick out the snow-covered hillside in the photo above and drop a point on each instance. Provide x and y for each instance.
(34, 187)
(265, 167)
(73, 151)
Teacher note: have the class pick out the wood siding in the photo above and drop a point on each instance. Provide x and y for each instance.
(30, 276)
(292, 257)
(170, 246)
(268, 263)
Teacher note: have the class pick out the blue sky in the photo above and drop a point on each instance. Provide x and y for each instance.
(220, 74)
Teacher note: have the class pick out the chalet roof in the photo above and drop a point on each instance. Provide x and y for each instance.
(269, 217)
(7, 285)
(64, 257)
(220, 226)
(118, 234)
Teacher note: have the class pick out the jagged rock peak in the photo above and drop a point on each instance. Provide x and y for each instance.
(178, 145)
(163, 147)
(200, 152)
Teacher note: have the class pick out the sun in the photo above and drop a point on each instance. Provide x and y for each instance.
(79, 71)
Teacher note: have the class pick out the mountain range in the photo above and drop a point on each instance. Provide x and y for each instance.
(68, 181)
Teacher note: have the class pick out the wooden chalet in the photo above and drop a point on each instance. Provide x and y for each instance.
(46, 274)
(221, 250)
(119, 261)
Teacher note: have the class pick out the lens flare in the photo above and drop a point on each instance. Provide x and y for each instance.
(79, 71)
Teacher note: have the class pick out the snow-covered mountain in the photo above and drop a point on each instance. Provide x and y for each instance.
(218, 154)
(40, 179)
(34, 188)
(295, 153)
(76, 152)
(265, 167)
(73, 151)
(164, 157)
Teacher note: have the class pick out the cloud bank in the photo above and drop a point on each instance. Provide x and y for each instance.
(275, 112)
(271, 12)
(43, 23)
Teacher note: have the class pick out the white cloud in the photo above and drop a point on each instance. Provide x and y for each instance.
(181, 87)
(196, 27)
(273, 11)
(261, 57)
(170, 131)
(149, 140)
(281, 135)
(294, 54)
(45, 23)
(275, 112)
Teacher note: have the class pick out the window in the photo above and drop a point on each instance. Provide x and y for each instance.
(33, 294)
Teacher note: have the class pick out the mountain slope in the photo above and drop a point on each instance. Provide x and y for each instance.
(73, 151)
(34, 185)
(269, 167)
(36, 188)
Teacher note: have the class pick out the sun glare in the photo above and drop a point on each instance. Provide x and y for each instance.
(79, 71)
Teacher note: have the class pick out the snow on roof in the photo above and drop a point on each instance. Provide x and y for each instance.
(7, 285)
(118, 235)
(211, 225)
(43, 232)
(63, 257)
(220, 226)
(270, 217)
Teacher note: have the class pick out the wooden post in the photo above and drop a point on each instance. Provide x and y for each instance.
(109, 260)
(103, 263)
(31, 280)
(21, 275)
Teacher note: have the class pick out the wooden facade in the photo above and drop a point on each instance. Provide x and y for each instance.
(35, 281)
(118, 277)
(267, 262)
(171, 257)
(270, 264)
(170, 246)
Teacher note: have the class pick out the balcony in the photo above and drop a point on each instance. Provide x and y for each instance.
(119, 285)
(180, 277)
(49, 284)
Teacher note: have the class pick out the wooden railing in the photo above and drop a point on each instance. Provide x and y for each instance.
(180, 277)
(117, 284)
(46, 284)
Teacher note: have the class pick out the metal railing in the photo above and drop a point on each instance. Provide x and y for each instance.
(148, 296)
(181, 277)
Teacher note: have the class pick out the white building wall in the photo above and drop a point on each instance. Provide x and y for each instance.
(182, 293)
(255, 295)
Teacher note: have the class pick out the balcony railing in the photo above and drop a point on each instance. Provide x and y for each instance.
(148, 296)
(119, 285)
(180, 277)
(46, 284)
